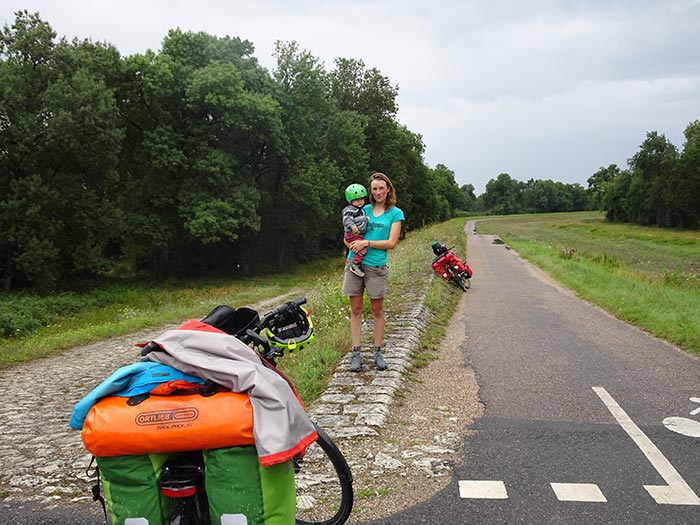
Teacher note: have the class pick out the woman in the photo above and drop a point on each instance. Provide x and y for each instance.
(383, 230)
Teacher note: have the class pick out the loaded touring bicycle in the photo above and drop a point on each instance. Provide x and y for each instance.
(205, 430)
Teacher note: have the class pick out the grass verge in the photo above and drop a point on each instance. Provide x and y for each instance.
(649, 277)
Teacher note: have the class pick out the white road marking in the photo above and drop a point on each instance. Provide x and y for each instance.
(683, 425)
(677, 492)
(697, 410)
(588, 492)
(482, 489)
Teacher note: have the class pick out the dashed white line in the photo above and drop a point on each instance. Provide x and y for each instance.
(586, 492)
(677, 492)
(482, 489)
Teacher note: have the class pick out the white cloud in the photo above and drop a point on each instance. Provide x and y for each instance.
(535, 88)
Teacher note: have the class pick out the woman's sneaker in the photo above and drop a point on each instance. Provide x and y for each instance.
(355, 361)
(355, 268)
(379, 361)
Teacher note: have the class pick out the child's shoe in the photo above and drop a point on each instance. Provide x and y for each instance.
(355, 268)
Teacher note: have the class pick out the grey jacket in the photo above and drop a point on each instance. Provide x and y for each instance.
(281, 427)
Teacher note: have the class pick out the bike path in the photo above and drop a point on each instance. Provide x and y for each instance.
(575, 400)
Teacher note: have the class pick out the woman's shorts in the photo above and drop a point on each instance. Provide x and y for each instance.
(374, 281)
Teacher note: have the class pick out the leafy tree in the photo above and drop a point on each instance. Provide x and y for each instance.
(686, 189)
(301, 190)
(469, 198)
(598, 182)
(650, 193)
(580, 198)
(202, 121)
(503, 195)
(616, 198)
(60, 137)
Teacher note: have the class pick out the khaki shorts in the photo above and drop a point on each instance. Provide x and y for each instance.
(374, 281)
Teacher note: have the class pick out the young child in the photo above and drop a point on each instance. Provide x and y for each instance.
(355, 222)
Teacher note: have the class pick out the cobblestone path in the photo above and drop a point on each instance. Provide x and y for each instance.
(43, 460)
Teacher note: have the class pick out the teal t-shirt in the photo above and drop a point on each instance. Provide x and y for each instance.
(378, 229)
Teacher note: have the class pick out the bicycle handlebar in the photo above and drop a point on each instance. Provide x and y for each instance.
(267, 319)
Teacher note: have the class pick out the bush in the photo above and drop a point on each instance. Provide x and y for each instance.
(21, 314)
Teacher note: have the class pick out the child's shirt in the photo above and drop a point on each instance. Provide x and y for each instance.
(353, 215)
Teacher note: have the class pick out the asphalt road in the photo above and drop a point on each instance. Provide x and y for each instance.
(575, 400)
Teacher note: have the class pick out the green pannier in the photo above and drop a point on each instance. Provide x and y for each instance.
(239, 490)
(237, 487)
(130, 487)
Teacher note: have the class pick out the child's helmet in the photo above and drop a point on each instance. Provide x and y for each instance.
(355, 191)
(291, 331)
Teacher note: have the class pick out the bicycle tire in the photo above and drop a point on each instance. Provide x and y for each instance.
(183, 511)
(457, 280)
(323, 484)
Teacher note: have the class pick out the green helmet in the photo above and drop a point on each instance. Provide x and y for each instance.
(355, 191)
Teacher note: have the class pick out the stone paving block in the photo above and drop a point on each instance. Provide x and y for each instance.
(387, 381)
(326, 408)
(390, 374)
(352, 431)
(327, 421)
(346, 381)
(385, 461)
(371, 420)
(337, 398)
(366, 408)
(374, 389)
(375, 398)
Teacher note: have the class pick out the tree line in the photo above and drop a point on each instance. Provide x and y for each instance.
(505, 195)
(191, 159)
(661, 186)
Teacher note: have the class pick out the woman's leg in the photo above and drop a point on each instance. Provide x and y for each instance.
(378, 319)
(378, 315)
(356, 332)
(356, 319)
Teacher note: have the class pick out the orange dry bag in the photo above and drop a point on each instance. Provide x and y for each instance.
(121, 426)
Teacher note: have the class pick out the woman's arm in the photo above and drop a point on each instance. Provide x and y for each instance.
(388, 244)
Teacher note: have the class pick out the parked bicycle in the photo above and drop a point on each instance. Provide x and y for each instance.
(450, 268)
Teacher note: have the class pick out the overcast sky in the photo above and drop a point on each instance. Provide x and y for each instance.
(536, 89)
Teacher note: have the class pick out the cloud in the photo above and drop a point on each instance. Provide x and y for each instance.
(535, 88)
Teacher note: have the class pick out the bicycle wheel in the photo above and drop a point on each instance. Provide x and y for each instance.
(183, 511)
(323, 484)
(457, 280)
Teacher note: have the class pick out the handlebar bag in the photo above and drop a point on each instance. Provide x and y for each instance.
(118, 426)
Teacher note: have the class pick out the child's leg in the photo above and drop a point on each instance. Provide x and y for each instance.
(360, 256)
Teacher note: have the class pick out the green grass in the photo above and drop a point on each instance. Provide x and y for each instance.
(649, 277)
(372, 492)
(55, 324)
